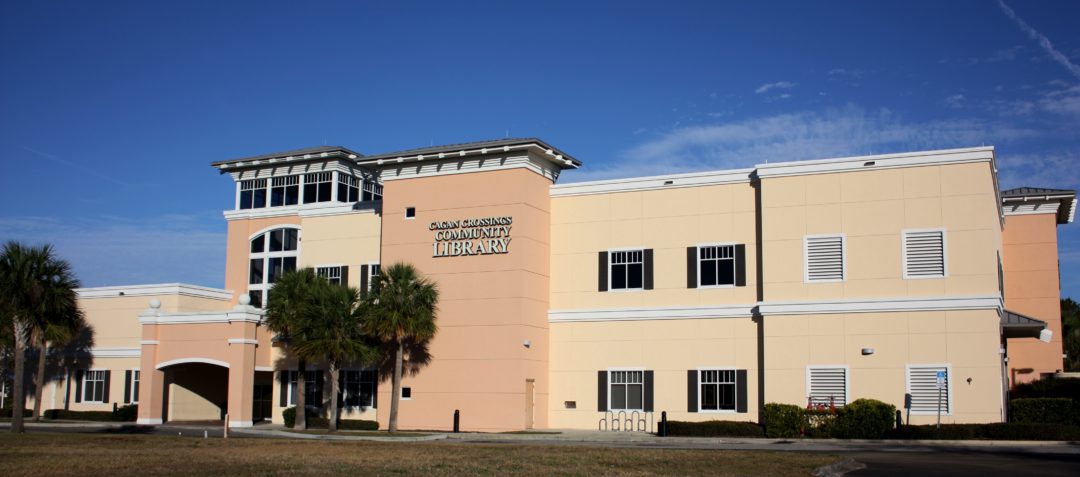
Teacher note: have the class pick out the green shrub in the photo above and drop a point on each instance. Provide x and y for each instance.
(318, 422)
(1054, 410)
(1048, 388)
(68, 415)
(715, 429)
(864, 419)
(1012, 431)
(783, 420)
(819, 422)
(289, 416)
(128, 413)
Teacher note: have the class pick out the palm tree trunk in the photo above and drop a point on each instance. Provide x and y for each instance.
(332, 427)
(18, 403)
(39, 378)
(396, 386)
(301, 383)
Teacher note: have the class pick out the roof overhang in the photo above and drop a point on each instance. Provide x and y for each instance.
(287, 157)
(1030, 201)
(559, 158)
(1015, 325)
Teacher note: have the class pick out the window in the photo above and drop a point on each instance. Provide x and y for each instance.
(372, 191)
(924, 253)
(348, 189)
(317, 187)
(312, 388)
(627, 270)
(406, 393)
(253, 194)
(331, 274)
(284, 191)
(826, 385)
(93, 386)
(272, 254)
(131, 386)
(358, 389)
(824, 255)
(925, 395)
(410, 212)
(716, 264)
(717, 389)
(627, 390)
(373, 271)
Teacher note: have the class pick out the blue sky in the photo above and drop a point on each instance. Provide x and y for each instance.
(110, 112)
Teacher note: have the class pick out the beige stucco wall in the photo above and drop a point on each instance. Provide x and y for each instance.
(1033, 288)
(667, 347)
(350, 239)
(667, 221)
(968, 341)
(872, 208)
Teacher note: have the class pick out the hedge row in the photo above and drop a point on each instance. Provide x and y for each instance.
(861, 419)
(715, 429)
(1052, 410)
(316, 421)
(122, 414)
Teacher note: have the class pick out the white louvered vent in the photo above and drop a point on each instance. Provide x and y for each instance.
(825, 258)
(922, 384)
(828, 386)
(924, 254)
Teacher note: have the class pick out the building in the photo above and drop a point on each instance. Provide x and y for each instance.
(600, 304)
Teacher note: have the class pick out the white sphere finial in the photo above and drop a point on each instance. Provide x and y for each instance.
(245, 300)
(155, 303)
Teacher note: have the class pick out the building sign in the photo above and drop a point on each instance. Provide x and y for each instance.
(483, 236)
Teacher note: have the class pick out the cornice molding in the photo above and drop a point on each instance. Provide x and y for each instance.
(182, 289)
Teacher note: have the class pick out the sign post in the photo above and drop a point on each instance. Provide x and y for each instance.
(940, 386)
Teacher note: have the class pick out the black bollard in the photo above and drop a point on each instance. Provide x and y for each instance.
(899, 421)
(457, 420)
(663, 424)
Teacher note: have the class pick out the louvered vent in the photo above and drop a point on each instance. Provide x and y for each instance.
(828, 386)
(924, 254)
(825, 258)
(922, 384)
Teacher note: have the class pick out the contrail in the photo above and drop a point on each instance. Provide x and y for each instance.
(1044, 42)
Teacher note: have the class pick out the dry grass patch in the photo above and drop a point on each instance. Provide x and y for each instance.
(82, 454)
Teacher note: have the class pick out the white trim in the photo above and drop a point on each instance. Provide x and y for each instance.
(149, 342)
(882, 161)
(191, 360)
(843, 257)
(693, 179)
(847, 382)
(341, 209)
(264, 368)
(948, 386)
(736, 382)
(155, 289)
(233, 424)
(944, 253)
(148, 421)
(989, 302)
(251, 315)
(651, 313)
(233, 341)
(115, 352)
(269, 228)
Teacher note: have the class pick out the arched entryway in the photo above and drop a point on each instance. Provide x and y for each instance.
(195, 390)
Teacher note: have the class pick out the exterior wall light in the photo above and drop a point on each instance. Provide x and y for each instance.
(867, 351)
(527, 343)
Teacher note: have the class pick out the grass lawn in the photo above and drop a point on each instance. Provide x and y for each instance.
(112, 455)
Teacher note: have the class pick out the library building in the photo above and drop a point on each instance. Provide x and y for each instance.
(589, 305)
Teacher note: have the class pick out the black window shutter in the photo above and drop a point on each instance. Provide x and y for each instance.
(648, 383)
(691, 390)
(648, 269)
(740, 390)
(344, 275)
(691, 267)
(601, 391)
(363, 279)
(603, 269)
(78, 385)
(740, 265)
(127, 387)
(108, 382)
(283, 381)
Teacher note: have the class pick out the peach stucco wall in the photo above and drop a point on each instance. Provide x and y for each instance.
(1032, 288)
(489, 304)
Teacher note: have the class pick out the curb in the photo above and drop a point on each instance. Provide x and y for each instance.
(838, 469)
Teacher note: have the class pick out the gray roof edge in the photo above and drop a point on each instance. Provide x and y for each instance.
(295, 152)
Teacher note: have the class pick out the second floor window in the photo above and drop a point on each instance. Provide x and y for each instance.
(717, 265)
(628, 270)
(272, 254)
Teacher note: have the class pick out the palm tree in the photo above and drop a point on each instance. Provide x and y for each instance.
(36, 289)
(58, 321)
(403, 307)
(336, 335)
(288, 310)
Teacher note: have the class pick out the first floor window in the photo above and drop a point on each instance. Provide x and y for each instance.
(312, 388)
(373, 271)
(717, 389)
(331, 274)
(826, 386)
(628, 270)
(131, 386)
(716, 264)
(926, 394)
(359, 388)
(93, 386)
(627, 390)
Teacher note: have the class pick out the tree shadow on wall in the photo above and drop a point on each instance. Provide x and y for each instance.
(417, 356)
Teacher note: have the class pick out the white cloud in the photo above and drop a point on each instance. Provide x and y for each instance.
(1063, 101)
(1043, 41)
(109, 250)
(777, 85)
(955, 101)
(1055, 169)
(795, 136)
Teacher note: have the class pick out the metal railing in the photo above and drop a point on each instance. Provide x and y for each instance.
(623, 421)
